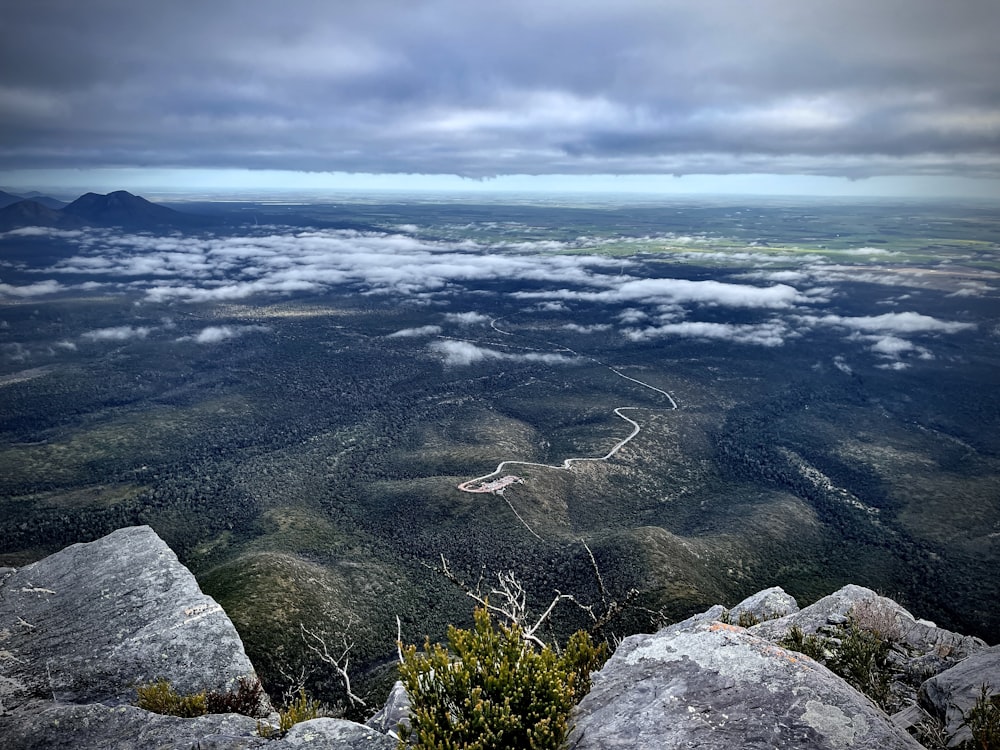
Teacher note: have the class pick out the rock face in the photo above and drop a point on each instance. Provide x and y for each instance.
(91, 622)
(953, 692)
(709, 685)
(81, 629)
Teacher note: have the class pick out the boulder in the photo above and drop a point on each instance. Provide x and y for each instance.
(950, 694)
(768, 604)
(335, 734)
(714, 686)
(873, 612)
(396, 711)
(94, 726)
(90, 623)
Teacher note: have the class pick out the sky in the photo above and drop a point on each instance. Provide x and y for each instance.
(771, 96)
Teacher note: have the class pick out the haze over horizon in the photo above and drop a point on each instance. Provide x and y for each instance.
(777, 97)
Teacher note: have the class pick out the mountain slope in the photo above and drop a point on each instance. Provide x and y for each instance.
(121, 208)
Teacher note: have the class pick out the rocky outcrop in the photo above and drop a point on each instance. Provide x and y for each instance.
(91, 622)
(716, 686)
(950, 694)
(80, 630)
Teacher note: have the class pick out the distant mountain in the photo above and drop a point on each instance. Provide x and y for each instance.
(8, 199)
(45, 200)
(33, 214)
(123, 209)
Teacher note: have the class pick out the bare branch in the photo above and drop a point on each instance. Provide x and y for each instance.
(318, 646)
(399, 639)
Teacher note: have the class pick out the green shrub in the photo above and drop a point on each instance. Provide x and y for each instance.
(161, 698)
(860, 657)
(863, 661)
(811, 645)
(302, 708)
(493, 689)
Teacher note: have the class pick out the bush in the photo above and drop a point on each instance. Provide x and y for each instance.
(161, 698)
(493, 689)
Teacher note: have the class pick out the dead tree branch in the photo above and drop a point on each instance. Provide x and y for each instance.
(318, 645)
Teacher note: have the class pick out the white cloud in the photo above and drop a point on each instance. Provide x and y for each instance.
(898, 322)
(37, 289)
(414, 332)
(117, 333)
(460, 353)
(215, 334)
(771, 333)
(683, 291)
(467, 318)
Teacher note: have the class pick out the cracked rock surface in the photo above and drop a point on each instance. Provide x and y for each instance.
(716, 686)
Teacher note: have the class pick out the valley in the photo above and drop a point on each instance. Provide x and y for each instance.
(309, 403)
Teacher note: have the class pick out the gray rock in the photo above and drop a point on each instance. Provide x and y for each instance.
(715, 686)
(878, 612)
(52, 726)
(90, 623)
(768, 604)
(41, 725)
(336, 734)
(953, 692)
(396, 711)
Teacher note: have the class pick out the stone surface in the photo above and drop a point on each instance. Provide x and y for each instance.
(714, 686)
(765, 605)
(336, 734)
(91, 622)
(49, 726)
(953, 692)
(38, 725)
(396, 711)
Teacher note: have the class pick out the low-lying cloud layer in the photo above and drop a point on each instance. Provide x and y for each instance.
(764, 308)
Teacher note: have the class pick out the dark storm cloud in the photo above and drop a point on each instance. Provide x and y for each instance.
(849, 87)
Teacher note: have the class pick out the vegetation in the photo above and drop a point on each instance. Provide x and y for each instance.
(161, 698)
(246, 698)
(493, 689)
(298, 709)
(983, 720)
(859, 651)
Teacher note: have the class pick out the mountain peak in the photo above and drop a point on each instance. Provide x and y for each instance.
(122, 208)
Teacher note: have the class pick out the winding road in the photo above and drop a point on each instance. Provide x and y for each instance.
(487, 483)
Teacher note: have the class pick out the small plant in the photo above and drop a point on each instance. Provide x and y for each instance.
(747, 619)
(161, 698)
(301, 708)
(811, 645)
(863, 660)
(246, 698)
(494, 689)
(983, 720)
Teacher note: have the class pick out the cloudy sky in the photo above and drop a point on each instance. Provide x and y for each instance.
(763, 96)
